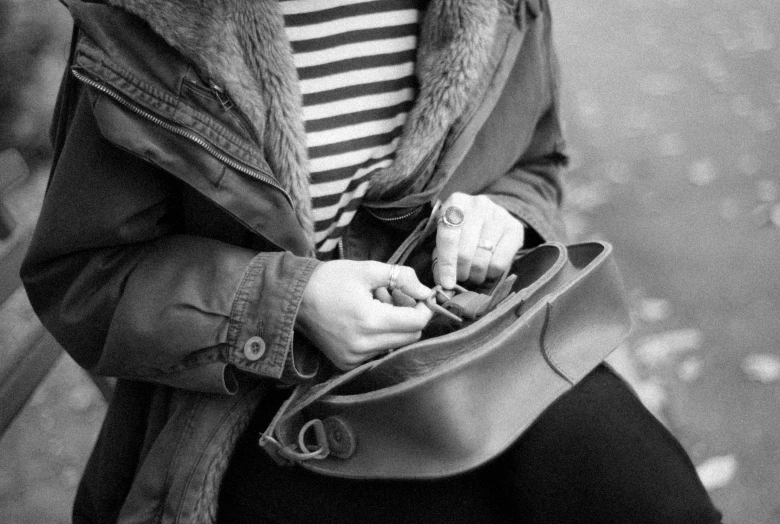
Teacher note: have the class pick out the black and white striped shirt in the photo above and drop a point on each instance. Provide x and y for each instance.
(355, 61)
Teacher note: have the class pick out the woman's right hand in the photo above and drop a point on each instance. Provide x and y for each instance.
(340, 315)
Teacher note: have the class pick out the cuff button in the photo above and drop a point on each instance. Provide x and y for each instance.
(254, 348)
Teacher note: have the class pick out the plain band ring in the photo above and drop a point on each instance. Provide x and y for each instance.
(486, 246)
(452, 216)
(392, 279)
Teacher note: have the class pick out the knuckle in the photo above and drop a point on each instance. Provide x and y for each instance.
(375, 267)
(483, 201)
(371, 323)
(461, 200)
(514, 224)
(407, 273)
(358, 347)
(457, 196)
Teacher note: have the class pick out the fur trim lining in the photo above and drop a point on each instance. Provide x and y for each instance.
(242, 45)
(452, 58)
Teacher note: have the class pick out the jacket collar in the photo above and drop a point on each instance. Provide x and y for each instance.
(242, 46)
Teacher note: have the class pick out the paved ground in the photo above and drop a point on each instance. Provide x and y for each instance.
(672, 109)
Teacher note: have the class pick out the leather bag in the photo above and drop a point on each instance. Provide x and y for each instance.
(449, 403)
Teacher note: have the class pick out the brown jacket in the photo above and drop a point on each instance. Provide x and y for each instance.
(174, 243)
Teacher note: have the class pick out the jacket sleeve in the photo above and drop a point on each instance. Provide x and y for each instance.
(532, 189)
(115, 278)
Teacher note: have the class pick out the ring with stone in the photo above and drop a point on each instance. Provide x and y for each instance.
(452, 216)
(392, 279)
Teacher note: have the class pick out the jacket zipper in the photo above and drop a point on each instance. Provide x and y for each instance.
(179, 130)
(422, 168)
(406, 215)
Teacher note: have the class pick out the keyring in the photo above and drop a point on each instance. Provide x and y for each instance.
(452, 216)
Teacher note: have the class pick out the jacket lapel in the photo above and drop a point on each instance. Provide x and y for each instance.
(241, 45)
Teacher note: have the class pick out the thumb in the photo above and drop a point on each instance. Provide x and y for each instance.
(405, 279)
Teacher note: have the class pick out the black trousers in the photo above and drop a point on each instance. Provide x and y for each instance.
(596, 456)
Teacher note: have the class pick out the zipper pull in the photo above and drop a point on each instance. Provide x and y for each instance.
(223, 98)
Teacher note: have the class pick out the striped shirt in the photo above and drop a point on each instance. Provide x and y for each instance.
(355, 63)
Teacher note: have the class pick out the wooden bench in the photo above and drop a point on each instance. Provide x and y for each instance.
(27, 350)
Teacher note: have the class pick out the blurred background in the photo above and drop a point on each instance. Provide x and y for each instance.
(672, 110)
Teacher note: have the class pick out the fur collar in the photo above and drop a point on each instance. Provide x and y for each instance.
(241, 45)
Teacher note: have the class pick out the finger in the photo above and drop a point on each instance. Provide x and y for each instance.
(383, 295)
(490, 236)
(393, 319)
(481, 261)
(378, 275)
(505, 251)
(448, 244)
(409, 284)
(401, 299)
(469, 237)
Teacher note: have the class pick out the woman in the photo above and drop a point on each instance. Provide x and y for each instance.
(228, 177)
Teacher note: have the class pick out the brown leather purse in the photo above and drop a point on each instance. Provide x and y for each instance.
(453, 401)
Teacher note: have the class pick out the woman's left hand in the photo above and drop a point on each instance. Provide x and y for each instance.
(475, 239)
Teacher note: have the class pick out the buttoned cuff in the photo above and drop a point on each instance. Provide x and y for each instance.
(260, 338)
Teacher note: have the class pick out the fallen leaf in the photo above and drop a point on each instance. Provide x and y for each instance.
(654, 309)
(658, 349)
(774, 215)
(762, 367)
(702, 172)
(749, 164)
(690, 369)
(717, 472)
(767, 190)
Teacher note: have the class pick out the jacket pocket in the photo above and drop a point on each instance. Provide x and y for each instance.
(215, 101)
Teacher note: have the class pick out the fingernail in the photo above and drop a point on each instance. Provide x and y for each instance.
(447, 282)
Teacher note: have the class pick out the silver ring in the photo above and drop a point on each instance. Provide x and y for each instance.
(486, 246)
(452, 216)
(392, 279)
